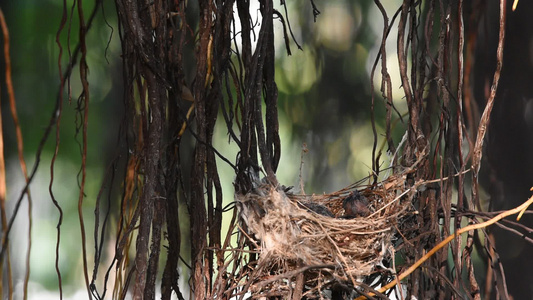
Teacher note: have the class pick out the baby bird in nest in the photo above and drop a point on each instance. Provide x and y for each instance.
(319, 209)
(355, 205)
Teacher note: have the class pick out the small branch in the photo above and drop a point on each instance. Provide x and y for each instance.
(293, 273)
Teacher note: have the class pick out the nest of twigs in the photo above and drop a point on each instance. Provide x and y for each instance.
(314, 238)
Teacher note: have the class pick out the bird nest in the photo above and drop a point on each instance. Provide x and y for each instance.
(323, 240)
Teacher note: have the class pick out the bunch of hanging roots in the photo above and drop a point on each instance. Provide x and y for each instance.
(314, 241)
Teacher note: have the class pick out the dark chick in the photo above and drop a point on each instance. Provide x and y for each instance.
(355, 205)
(319, 209)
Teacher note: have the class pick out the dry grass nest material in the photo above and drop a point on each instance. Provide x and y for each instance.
(289, 236)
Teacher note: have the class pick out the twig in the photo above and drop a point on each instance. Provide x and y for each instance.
(304, 150)
(292, 274)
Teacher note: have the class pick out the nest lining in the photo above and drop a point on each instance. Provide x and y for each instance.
(292, 236)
